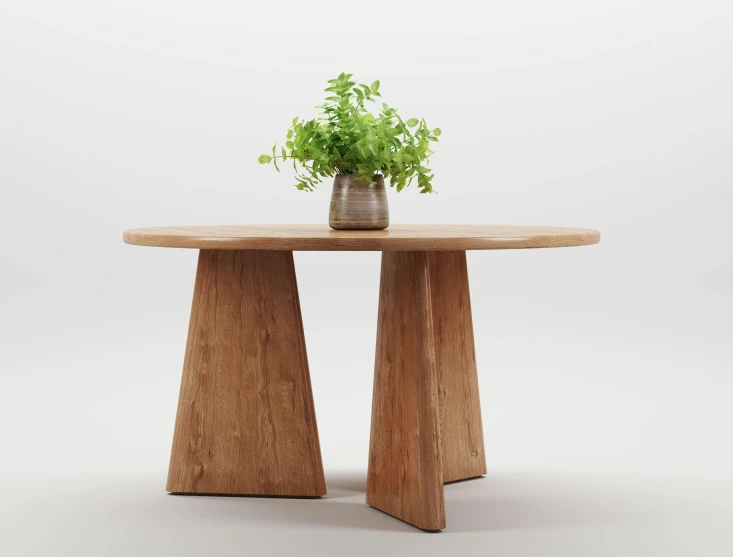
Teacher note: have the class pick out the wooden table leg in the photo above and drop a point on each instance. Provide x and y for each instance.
(426, 420)
(460, 409)
(246, 424)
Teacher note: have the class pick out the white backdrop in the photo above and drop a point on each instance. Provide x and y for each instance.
(606, 371)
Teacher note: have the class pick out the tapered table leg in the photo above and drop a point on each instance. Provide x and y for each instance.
(405, 477)
(426, 418)
(460, 409)
(246, 424)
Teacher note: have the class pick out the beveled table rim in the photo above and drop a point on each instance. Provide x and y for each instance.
(398, 237)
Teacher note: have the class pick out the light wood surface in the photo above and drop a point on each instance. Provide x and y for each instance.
(246, 423)
(427, 237)
(405, 477)
(460, 409)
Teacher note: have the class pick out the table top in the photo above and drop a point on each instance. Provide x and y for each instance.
(398, 237)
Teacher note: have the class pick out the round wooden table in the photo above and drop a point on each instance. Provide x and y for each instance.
(246, 423)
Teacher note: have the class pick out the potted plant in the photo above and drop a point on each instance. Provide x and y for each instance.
(360, 148)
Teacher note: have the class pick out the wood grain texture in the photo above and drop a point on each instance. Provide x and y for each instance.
(246, 423)
(405, 477)
(428, 237)
(460, 408)
(358, 205)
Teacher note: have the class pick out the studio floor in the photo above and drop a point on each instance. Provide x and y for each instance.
(504, 513)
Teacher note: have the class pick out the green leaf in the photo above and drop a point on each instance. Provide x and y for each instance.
(347, 138)
(274, 160)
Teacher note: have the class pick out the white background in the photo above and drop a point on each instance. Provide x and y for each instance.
(606, 371)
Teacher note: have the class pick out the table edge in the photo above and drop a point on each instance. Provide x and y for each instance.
(584, 237)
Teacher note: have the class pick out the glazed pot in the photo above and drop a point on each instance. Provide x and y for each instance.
(358, 205)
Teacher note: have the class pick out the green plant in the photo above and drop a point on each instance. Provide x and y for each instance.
(349, 139)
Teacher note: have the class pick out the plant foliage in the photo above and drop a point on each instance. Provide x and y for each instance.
(349, 139)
